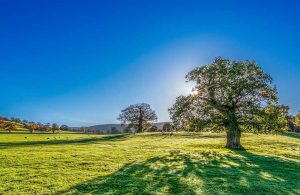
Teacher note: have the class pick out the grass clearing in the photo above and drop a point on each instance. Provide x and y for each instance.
(187, 163)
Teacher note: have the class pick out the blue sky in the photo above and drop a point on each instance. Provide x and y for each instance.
(81, 62)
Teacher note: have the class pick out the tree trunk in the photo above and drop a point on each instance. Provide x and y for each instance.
(139, 130)
(234, 139)
(233, 136)
(140, 125)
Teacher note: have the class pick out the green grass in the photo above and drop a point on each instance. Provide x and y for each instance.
(148, 164)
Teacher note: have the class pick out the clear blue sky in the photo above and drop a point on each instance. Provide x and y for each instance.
(81, 62)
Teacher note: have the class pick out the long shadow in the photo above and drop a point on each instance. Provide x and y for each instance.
(62, 142)
(183, 135)
(204, 173)
(293, 135)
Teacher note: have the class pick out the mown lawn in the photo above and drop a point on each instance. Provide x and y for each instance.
(148, 164)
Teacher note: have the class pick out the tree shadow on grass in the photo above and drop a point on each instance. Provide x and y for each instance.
(293, 135)
(54, 141)
(202, 173)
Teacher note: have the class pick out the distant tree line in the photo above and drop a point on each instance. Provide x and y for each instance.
(10, 124)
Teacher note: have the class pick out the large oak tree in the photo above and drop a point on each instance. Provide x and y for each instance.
(138, 116)
(228, 96)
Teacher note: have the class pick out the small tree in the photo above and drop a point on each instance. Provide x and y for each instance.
(273, 119)
(167, 127)
(228, 96)
(114, 130)
(31, 126)
(297, 120)
(46, 127)
(54, 127)
(8, 125)
(64, 127)
(83, 130)
(181, 115)
(138, 116)
(153, 128)
(11, 126)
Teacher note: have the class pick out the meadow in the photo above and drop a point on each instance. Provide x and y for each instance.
(151, 163)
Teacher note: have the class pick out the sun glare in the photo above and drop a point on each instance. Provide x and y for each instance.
(195, 92)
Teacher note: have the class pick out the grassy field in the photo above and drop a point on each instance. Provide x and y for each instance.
(148, 164)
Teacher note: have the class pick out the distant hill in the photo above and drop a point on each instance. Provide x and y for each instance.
(106, 128)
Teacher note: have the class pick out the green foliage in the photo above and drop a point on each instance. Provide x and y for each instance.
(180, 113)
(273, 119)
(297, 120)
(188, 163)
